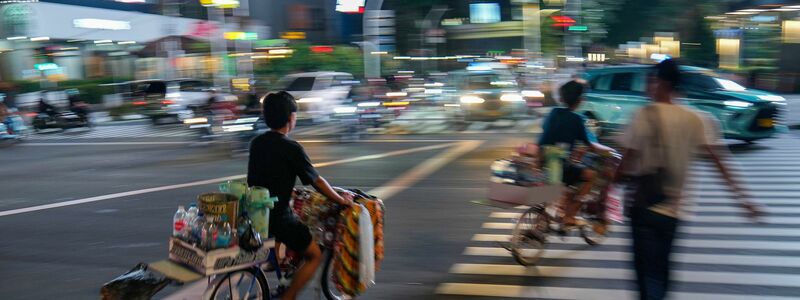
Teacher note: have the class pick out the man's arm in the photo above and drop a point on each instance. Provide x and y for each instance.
(322, 186)
(729, 178)
(308, 175)
(627, 156)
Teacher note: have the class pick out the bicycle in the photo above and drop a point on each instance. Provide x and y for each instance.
(253, 280)
(532, 228)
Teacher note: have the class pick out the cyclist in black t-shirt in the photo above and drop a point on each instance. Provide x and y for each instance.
(276, 161)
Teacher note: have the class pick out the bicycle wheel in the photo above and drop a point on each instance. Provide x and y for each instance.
(595, 231)
(328, 279)
(529, 236)
(242, 285)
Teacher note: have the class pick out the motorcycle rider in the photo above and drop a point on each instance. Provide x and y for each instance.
(46, 108)
(78, 106)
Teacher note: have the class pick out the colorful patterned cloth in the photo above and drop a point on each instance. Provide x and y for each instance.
(346, 265)
(320, 215)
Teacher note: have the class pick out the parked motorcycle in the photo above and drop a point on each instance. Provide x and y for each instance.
(60, 120)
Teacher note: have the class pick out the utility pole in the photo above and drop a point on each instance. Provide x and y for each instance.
(532, 29)
(372, 62)
(572, 40)
(430, 22)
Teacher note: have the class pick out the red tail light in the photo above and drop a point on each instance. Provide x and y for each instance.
(167, 102)
(31, 114)
(139, 102)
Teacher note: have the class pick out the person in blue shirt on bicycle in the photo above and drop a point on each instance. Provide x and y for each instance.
(563, 126)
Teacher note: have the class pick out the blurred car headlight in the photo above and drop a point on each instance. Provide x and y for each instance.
(345, 109)
(471, 99)
(173, 95)
(200, 120)
(739, 104)
(396, 94)
(236, 128)
(369, 104)
(771, 98)
(511, 98)
(532, 94)
(309, 100)
(433, 91)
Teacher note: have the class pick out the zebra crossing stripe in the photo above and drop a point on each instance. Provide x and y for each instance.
(761, 195)
(516, 291)
(713, 230)
(791, 172)
(681, 242)
(693, 218)
(741, 278)
(545, 292)
(686, 258)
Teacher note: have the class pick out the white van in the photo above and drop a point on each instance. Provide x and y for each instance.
(317, 93)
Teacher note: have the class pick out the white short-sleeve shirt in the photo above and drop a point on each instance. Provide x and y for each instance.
(683, 132)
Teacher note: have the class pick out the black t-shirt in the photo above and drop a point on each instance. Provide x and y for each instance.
(563, 126)
(275, 163)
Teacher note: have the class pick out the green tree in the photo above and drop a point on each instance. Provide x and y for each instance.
(342, 59)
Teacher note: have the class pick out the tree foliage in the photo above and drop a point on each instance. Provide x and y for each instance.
(342, 59)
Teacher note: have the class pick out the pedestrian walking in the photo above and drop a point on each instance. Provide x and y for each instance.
(660, 143)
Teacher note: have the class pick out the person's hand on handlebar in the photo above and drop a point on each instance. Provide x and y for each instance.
(345, 199)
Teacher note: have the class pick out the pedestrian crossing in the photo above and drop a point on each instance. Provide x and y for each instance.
(428, 127)
(718, 254)
(116, 131)
(327, 129)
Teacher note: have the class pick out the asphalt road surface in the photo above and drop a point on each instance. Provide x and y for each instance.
(75, 213)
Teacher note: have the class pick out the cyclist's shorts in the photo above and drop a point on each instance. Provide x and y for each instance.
(287, 229)
(573, 172)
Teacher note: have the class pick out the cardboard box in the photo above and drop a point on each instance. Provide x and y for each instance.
(522, 195)
(215, 261)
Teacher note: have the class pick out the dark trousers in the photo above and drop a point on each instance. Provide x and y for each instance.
(653, 234)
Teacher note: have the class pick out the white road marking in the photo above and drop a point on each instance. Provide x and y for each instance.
(208, 181)
(690, 243)
(688, 258)
(424, 169)
(743, 278)
(714, 230)
(563, 293)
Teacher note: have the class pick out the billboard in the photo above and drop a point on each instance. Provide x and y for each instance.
(483, 13)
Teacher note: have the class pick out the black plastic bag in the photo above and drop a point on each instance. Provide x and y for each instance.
(137, 284)
(250, 240)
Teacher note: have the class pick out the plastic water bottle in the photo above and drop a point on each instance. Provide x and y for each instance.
(179, 223)
(196, 233)
(192, 212)
(224, 235)
(190, 217)
(209, 234)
